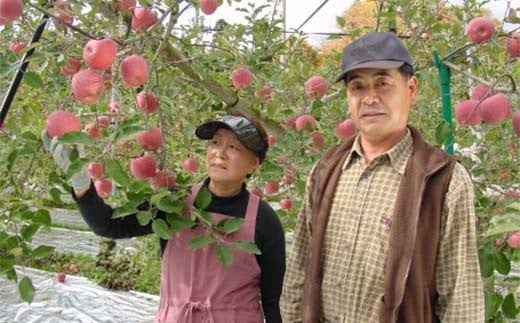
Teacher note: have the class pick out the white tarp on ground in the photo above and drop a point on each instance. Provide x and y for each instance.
(75, 300)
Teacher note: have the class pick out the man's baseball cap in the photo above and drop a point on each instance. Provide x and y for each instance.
(374, 50)
(242, 127)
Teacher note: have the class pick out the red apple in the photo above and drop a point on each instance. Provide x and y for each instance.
(190, 165)
(516, 123)
(480, 30)
(147, 102)
(287, 179)
(319, 142)
(92, 130)
(10, 10)
(286, 204)
(162, 178)
(271, 140)
(264, 94)
(143, 167)
(126, 6)
(72, 67)
(64, 12)
(466, 113)
(134, 70)
(150, 140)
(208, 6)
(103, 187)
(271, 188)
(100, 54)
(513, 45)
(17, 47)
(241, 78)
(316, 87)
(87, 86)
(61, 277)
(96, 170)
(143, 18)
(345, 129)
(514, 240)
(290, 122)
(103, 122)
(60, 122)
(481, 92)
(495, 109)
(305, 121)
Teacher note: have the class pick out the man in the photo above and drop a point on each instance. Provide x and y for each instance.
(387, 230)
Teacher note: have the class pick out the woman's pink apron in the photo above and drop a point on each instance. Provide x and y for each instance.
(195, 286)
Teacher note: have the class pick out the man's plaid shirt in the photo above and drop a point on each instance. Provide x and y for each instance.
(356, 243)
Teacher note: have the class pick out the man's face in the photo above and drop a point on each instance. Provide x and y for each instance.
(379, 102)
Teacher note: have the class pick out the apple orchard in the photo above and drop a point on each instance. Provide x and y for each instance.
(129, 83)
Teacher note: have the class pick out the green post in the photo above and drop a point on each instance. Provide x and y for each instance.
(445, 77)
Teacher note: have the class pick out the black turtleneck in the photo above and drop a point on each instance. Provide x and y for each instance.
(269, 237)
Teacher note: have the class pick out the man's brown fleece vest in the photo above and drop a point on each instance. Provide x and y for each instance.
(409, 294)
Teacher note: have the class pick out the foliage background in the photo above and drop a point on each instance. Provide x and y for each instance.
(191, 75)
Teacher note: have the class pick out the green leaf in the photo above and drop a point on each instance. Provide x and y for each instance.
(493, 302)
(42, 217)
(76, 166)
(505, 223)
(502, 264)
(26, 289)
(28, 231)
(509, 307)
(203, 198)
(11, 159)
(229, 225)
(143, 217)
(160, 227)
(124, 210)
(158, 196)
(201, 241)
(55, 194)
(224, 255)
(248, 246)
(124, 133)
(76, 138)
(340, 21)
(42, 251)
(33, 80)
(442, 132)
(11, 274)
(115, 171)
(178, 223)
(6, 262)
(168, 205)
(486, 262)
(205, 217)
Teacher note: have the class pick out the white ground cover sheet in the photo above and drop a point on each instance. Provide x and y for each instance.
(75, 300)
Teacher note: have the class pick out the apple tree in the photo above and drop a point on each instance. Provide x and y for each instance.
(133, 81)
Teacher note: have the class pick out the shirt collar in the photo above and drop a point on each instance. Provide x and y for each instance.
(398, 155)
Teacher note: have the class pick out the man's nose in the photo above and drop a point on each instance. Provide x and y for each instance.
(370, 97)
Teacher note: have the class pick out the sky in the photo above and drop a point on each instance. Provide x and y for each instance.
(325, 20)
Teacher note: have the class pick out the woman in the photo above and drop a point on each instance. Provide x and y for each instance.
(195, 287)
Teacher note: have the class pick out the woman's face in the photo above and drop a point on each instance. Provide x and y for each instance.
(228, 161)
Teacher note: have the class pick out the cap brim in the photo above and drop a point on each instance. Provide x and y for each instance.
(385, 65)
(207, 130)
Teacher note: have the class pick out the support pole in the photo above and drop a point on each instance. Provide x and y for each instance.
(15, 83)
(445, 78)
